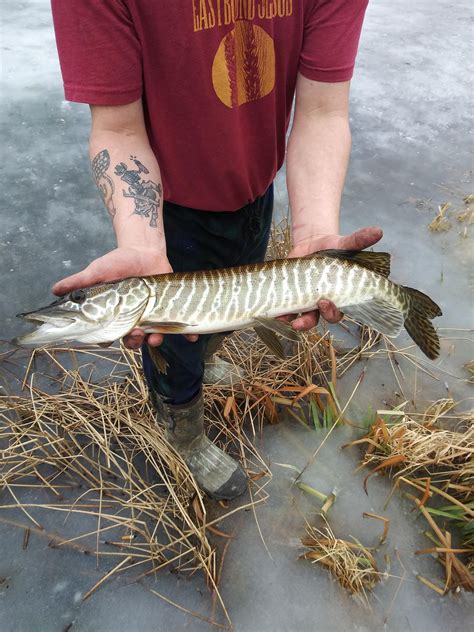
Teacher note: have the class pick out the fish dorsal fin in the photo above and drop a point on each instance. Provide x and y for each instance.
(378, 262)
(377, 314)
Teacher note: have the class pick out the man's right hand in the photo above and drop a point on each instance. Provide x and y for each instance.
(120, 264)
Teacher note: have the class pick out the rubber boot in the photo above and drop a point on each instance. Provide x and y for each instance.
(216, 473)
(217, 370)
(221, 372)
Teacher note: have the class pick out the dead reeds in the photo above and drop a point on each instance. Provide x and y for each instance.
(302, 384)
(92, 447)
(413, 445)
(448, 213)
(442, 490)
(351, 563)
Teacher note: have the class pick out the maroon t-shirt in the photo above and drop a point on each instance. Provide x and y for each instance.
(217, 78)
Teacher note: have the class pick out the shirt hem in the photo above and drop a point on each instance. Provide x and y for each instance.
(327, 76)
(95, 96)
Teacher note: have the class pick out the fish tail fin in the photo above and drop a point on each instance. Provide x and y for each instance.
(418, 314)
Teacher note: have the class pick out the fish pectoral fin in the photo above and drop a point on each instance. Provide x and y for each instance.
(279, 327)
(169, 327)
(377, 314)
(378, 262)
(270, 339)
(158, 360)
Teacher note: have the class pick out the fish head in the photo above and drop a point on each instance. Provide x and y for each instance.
(98, 314)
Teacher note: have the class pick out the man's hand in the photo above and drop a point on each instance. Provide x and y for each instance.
(363, 238)
(120, 264)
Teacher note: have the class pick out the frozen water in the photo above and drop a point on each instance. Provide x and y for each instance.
(411, 150)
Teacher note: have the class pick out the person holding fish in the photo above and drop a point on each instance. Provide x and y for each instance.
(190, 102)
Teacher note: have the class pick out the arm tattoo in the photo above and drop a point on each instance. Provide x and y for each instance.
(146, 194)
(104, 182)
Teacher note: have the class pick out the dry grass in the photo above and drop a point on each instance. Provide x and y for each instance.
(93, 448)
(457, 573)
(447, 213)
(440, 223)
(270, 384)
(443, 460)
(352, 564)
(422, 444)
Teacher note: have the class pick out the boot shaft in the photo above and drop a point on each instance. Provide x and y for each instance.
(183, 423)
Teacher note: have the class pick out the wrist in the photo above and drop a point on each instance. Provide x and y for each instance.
(146, 260)
(150, 243)
(155, 256)
(313, 241)
(150, 249)
(316, 225)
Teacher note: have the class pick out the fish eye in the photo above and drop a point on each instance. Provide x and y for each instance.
(78, 296)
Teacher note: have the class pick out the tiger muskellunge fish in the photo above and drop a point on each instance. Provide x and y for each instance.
(236, 298)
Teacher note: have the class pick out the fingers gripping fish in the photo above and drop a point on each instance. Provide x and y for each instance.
(236, 298)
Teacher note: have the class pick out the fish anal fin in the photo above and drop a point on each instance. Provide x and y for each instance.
(269, 338)
(377, 314)
(279, 327)
(214, 344)
(378, 262)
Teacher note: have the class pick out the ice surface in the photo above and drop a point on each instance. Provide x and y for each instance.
(411, 141)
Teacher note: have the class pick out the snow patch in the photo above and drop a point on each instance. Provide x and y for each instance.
(60, 586)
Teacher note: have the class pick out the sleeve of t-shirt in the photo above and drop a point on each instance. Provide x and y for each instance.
(99, 51)
(331, 37)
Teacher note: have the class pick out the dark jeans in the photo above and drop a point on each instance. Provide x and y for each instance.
(202, 240)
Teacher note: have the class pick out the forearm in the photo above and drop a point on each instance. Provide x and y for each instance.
(318, 153)
(129, 180)
(128, 177)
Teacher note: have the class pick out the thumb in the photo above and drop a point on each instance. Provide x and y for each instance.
(74, 282)
(362, 238)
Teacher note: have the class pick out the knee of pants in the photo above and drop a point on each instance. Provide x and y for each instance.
(183, 379)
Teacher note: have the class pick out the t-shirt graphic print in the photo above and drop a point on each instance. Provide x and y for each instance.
(244, 65)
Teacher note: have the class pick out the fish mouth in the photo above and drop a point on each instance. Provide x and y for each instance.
(54, 324)
(43, 314)
(45, 317)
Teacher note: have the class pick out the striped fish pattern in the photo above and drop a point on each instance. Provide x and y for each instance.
(236, 298)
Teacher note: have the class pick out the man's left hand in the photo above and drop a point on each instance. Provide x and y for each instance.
(361, 239)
